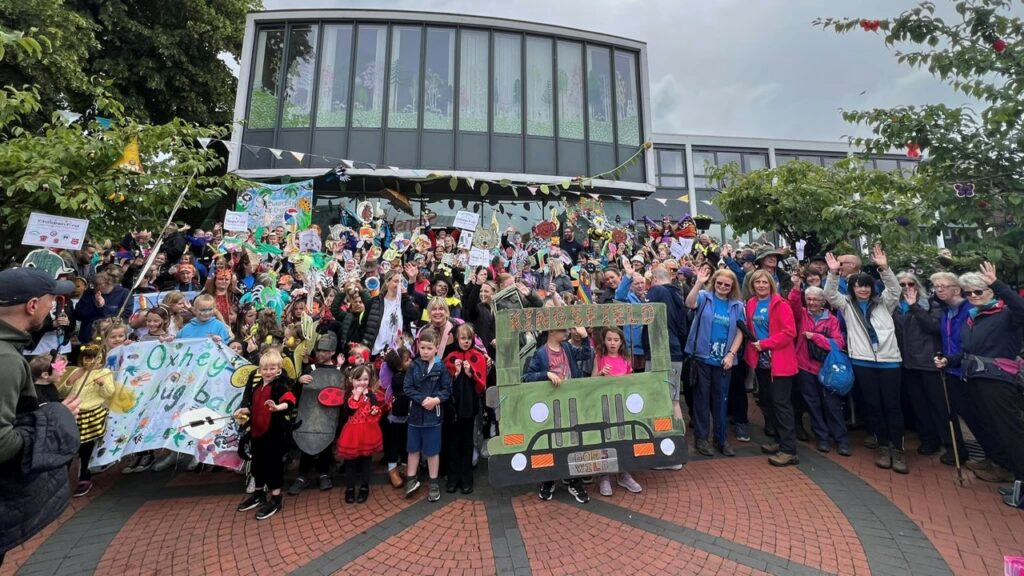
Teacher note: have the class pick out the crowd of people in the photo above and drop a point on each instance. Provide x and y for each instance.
(411, 326)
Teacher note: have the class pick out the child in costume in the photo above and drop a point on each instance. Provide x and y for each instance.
(323, 359)
(612, 358)
(46, 372)
(93, 383)
(360, 437)
(266, 404)
(468, 368)
(428, 385)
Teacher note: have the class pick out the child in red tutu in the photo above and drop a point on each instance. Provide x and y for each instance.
(360, 438)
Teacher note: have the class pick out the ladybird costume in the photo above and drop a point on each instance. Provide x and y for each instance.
(361, 435)
(458, 432)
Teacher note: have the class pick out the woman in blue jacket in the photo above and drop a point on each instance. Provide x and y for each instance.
(714, 343)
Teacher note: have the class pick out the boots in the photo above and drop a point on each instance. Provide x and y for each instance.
(994, 473)
(899, 461)
(884, 459)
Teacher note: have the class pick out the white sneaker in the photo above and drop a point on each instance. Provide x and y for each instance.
(166, 463)
(604, 485)
(673, 467)
(627, 482)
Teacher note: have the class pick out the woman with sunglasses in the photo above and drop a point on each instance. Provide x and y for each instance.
(714, 345)
(990, 366)
(874, 351)
(917, 333)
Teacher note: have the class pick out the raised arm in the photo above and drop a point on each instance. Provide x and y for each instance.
(832, 295)
(703, 274)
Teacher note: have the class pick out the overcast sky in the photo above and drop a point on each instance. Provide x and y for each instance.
(754, 68)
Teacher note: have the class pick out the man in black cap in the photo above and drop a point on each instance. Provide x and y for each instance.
(36, 441)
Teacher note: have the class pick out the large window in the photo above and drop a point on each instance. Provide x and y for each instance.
(782, 158)
(263, 103)
(570, 90)
(473, 79)
(404, 78)
(368, 94)
(298, 101)
(671, 168)
(539, 91)
(508, 84)
(627, 103)
(439, 79)
(335, 65)
(747, 161)
(599, 94)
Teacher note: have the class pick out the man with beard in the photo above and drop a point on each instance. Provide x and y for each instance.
(37, 441)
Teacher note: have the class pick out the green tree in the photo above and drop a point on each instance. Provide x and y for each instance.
(825, 207)
(980, 53)
(161, 58)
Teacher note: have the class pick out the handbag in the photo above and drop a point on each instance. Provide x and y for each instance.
(817, 353)
(836, 374)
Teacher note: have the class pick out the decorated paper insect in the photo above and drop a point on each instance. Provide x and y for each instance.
(964, 189)
(331, 396)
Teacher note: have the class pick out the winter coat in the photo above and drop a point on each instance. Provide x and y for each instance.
(824, 328)
(34, 487)
(86, 312)
(950, 327)
(880, 310)
(17, 392)
(992, 333)
(917, 333)
(698, 344)
(780, 340)
(678, 327)
(421, 384)
(374, 315)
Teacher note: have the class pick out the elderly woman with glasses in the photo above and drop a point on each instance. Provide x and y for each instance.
(917, 333)
(990, 365)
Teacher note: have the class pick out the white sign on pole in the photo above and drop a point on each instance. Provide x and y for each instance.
(465, 220)
(51, 231)
(479, 257)
(466, 239)
(681, 247)
(236, 221)
(800, 246)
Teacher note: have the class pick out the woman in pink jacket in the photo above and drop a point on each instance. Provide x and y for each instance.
(815, 327)
(772, 354)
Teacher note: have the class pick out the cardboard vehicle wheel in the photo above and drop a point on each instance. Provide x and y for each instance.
(331, 397)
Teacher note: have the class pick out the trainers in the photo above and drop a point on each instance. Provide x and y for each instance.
(325, 483)
(579, 492)
(899, 462)
(742, 433)
(146, 463)
(704, 448)
(770, 448)
(672, 467)
(871, 441)
(412, 484)
(801, 434)
(884, 457)
(254, 500)
(269, 508)
(130, 469)
(627, 482)
(395, 477)
(844, 451)
(824, 446)
(783, 459)
(725, 449)
(297, 487)
(547, 490)
(435, 492)
(165, 463)
(994, 473)
(82, 488)
(948, 458)
(604, 485)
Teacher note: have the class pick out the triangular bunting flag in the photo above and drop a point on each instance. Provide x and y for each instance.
(593, 195)
(347, 164)
(470, 180)
(371, 165)
(684, 198)
(532, 189)
(619, 198)
(104, 122)
(129, 160)
(68, 116)
(298, 156)
(231, 146)
(276, 152)
(393, 168)
(661, 200)
(205, 142)
(254, 149)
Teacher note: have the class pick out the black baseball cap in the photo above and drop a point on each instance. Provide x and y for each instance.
(19, 285)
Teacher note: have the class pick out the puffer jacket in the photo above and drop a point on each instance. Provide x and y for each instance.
(375, 314)
(917, 332)
(880, 310)
(17, 392)
(34, 489)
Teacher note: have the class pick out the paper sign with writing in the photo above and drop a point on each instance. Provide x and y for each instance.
(236, 221)
(270, 205)
(800, 246)
(158, 384)
(479, 257)
(465, 220)
(466, 239)
(681, 247)
(55, 231)
(151, 300)
(309, 241)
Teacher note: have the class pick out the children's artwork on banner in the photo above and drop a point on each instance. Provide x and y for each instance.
(271, 205)
(466, 239)
(236, 221)
(152, 300)
(681, 247)
(176, 395)
(465, 220)
(479, 257)
(309, 241)
(51, 231)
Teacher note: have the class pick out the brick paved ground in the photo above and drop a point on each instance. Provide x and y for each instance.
(830, 515)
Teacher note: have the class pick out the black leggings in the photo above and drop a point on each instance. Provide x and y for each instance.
(395, 441)
(84, 454)
(457, 451)
(358, 469)
(882, 407)
(267, 466)
(321, 462)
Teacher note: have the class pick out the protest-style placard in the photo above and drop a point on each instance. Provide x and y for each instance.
(51, 231)
(153, 299)
(236, 221)
(681, 247)
(465, 220)
(466, 239)
(479, 257)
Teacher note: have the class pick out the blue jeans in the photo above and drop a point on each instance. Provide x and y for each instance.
(710, 399)
(825, 408)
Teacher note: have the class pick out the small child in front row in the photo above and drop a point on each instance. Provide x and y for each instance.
(468, 367)
(267, 404)
(397, 362)
(614, 359)
(360, 437)
(93, 384)
(427, 385)
(45, 373)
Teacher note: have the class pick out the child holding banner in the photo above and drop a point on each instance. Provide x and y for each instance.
(93, 384)
(266, 404)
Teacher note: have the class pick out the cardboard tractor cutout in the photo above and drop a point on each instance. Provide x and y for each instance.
(585, 426)
(316, 424)
(511, 299)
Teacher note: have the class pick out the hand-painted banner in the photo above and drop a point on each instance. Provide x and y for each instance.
(153, 299)
(271, 205)
(158, 383)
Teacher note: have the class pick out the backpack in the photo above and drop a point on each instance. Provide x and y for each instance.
(836, 373)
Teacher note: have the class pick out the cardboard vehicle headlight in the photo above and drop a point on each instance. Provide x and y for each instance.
(585, 426)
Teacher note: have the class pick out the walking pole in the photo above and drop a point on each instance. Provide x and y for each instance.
(960, 478)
